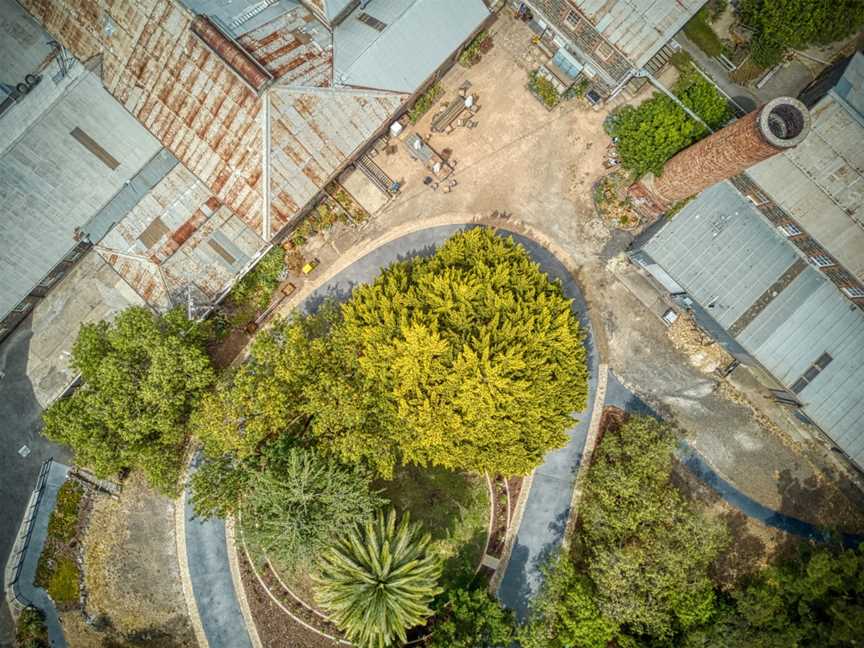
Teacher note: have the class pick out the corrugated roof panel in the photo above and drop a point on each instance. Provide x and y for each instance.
(820, 183)
(314, 132)
(806, 318)
(713, 249)
(639, 28)
(419, 36)
(51, 184)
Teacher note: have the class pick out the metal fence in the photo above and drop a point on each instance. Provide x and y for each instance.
(19, 549)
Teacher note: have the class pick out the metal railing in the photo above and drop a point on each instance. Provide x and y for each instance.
(22, 542)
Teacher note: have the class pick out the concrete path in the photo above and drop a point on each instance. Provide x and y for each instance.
(36, 595)
(547, 508)
(20, 413)
(619, 396)
(212, 585)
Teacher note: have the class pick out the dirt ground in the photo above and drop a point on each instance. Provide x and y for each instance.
(131, 574)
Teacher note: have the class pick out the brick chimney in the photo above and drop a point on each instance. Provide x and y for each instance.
(778, 125)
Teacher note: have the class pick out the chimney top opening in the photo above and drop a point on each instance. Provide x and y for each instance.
(785, 122)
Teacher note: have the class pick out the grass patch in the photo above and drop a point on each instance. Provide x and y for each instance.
(63, 583)
(453, 507)
(57, 572)
(424, 102)
(698, 30)
(64, 518)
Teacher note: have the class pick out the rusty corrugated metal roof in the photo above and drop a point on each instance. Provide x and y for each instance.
(295, 48)
(237, 58)
(179, 234)
(313, 132)
(638, 28)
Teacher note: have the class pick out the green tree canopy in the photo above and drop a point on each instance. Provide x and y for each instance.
(815, 600)
(472, 619)
(142, 375)
(379, 580)
(655, 130)
(798, 24)
(300, 500)
(470, 359)
(477, 357)
(648, 550)
(565, 613)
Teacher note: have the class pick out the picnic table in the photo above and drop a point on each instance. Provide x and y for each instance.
(452, 112)
(420, 150)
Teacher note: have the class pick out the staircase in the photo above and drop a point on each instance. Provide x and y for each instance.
(375, 174)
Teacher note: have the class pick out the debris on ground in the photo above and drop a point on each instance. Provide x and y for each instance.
(702, 351)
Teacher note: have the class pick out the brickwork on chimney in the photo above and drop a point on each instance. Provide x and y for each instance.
(717, 157)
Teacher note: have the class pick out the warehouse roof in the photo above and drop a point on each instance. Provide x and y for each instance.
(638, 28)
(782, 311)
(820, 183)
(397, 45)
(61, 171)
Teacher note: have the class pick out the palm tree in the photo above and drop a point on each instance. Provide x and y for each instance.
(378, 580)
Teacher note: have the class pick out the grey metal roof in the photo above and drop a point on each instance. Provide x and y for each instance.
(51, 183)
(240, 16)
(850, 87)
(638, 28)
(418, 36)
(723, 251)
(820, 183)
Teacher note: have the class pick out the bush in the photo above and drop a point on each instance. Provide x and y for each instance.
(471, 54)
(544, 90)
(30, 631)
(472, 618)
(257, 287)
(658, 128)
(424, 102)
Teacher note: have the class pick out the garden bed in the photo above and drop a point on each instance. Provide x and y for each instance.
(453, 507)
(58, 571)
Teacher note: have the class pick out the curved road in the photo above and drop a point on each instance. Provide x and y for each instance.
(548, 503)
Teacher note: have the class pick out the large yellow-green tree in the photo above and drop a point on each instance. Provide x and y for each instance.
(471, 359)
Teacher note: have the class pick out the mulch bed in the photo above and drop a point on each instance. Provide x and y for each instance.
(275, 628)
(498, 536)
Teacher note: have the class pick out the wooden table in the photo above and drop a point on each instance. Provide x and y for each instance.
(449, 114)
(421, 151)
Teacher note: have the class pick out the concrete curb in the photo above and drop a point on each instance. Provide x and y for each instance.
(588, 451)
(183, 560)
(510, 538)
(234, 564)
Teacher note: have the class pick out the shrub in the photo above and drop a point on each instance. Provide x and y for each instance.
(256, 288)
(544, 90)
(424, 102)
(471, 54)
(379, 580)
(30, 631)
